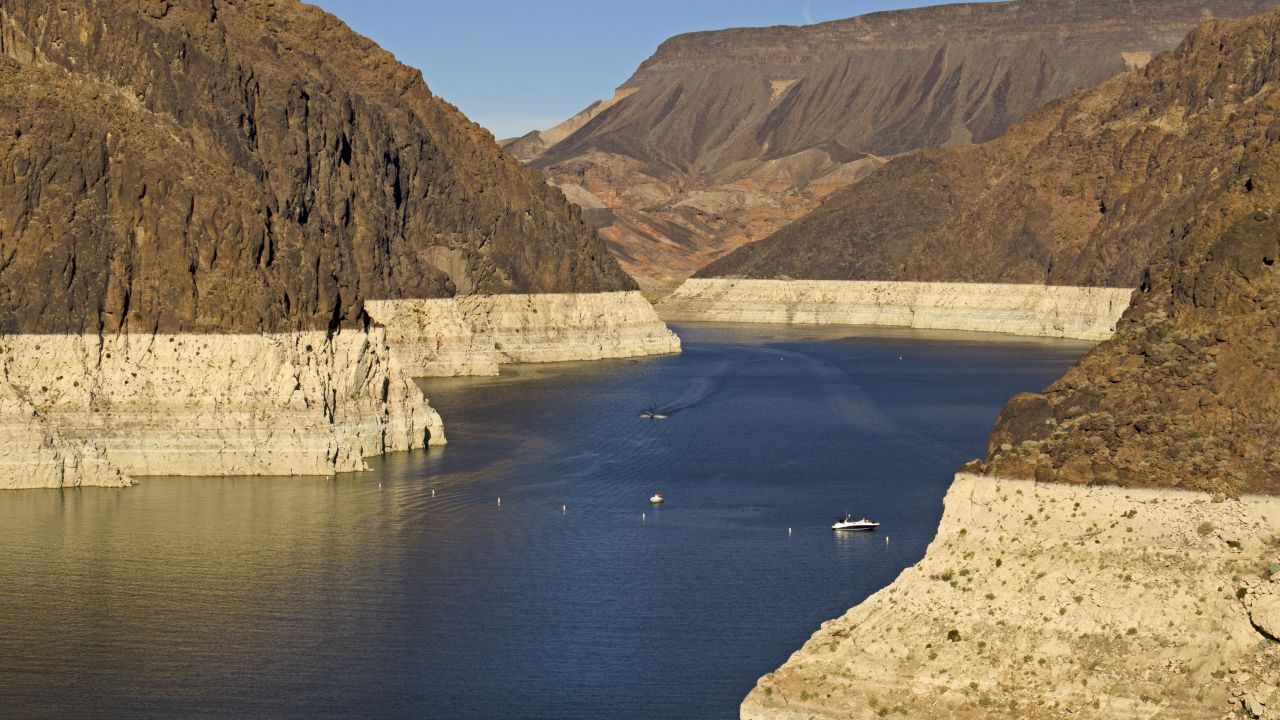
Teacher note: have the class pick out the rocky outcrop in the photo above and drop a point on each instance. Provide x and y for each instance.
(33, 453)
(256, 184)
(1037, 310)
(1076, 576)
(474, 335)
(198, 200)
(725, 137)
(199, 404)
(1090, 190)
(1187, 394)
(1053, 601)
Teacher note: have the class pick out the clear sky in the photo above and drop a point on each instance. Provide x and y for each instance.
(520, 65)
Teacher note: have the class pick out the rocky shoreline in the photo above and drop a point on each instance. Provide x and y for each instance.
(1084, 313)
(474, 335)
(1047, 600)
(93, 410)
(98, 410)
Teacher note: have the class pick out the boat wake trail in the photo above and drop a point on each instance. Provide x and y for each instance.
(700, 391)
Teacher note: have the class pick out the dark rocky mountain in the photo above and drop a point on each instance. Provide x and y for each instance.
(721, 138)
(249, 165)
(1187, 394)
(1085, 191)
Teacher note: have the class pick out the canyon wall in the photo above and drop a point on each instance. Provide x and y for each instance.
(1053, 601)
(1085, 313)
(1117, 551)
(474, 335)
(198, 202)
(722, 138)
(98, 410)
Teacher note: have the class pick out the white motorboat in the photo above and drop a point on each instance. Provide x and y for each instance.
(848, 523)
(652, 413)
(657, 499)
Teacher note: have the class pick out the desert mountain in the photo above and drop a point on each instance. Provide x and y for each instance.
(723, 137)
(244, 166)
(1167, 180)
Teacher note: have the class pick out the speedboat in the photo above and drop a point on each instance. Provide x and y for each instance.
(657, 499)
(652, 414)
(848, 523)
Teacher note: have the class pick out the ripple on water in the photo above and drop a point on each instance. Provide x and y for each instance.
(367, 595)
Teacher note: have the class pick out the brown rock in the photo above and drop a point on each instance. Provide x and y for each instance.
(181, 165)
(722, 138)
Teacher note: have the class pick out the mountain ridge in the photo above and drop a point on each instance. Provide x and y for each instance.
(727, 136)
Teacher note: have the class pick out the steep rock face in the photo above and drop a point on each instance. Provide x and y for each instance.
(1048, 601)
(1187, 394)
(726, 136)
(475, 335)
(249, 166)
(197, 200)
(1081, 313)
(1086, 191)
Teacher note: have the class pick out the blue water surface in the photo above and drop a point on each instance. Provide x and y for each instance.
(412, 592)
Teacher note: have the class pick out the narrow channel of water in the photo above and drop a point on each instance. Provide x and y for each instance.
(410, 591)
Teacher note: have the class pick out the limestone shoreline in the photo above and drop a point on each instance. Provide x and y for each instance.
(91, 410)
(475, 335)
(1053, 601)
(1083, 313)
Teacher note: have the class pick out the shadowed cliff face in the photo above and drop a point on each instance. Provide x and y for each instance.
(1187, 393)
(724, 137)
(245, 165)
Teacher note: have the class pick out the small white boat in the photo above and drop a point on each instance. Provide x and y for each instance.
(848, 523)
(652, 414)
(657, 499)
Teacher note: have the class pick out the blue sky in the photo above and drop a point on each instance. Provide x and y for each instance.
(520, 65)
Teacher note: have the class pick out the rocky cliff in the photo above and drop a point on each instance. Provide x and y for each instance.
(1082, 313)
(723, 137)
(1074, 574)
(231, 182)
(1049, 601)
(1089, 190)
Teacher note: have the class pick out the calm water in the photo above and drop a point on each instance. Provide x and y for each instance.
(409, 592)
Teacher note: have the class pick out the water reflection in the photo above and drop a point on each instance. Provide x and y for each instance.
(409, 592)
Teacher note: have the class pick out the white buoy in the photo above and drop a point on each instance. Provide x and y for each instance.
(499, 502)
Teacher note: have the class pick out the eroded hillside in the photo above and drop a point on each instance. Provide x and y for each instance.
(722, 138)
(242, 165)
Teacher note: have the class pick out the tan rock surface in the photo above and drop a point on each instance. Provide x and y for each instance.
(1036, 310)
(1044, 600)
(77, 407)
(474, 335)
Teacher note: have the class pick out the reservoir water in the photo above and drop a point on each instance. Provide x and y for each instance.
(412, 592)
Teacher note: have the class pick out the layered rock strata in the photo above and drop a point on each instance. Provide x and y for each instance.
(96, 410)
(721, 138)
(1085, 313)
(198, 200)
(473, 335)
(1052, 601)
